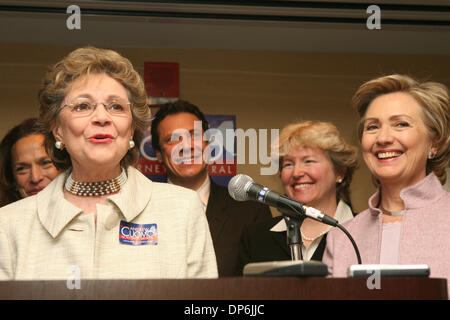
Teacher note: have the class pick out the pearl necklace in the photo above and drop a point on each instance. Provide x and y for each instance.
(319, 235)
(99, 188)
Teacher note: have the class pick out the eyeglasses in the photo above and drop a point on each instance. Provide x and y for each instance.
(84, 107)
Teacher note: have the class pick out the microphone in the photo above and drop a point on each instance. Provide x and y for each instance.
(242, 188)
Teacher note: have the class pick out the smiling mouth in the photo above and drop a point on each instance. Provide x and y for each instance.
(189, 161)
(388, 155)
(302, 186)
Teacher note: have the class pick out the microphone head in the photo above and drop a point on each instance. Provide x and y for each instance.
(238, 187)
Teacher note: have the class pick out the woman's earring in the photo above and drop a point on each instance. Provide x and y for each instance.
(132, 144)
(58, 145)
(431, 155)
(340, 180)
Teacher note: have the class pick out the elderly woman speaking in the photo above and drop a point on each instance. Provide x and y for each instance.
(101, 218)
(405, 142)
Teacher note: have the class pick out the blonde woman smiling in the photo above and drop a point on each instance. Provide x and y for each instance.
(405, 139)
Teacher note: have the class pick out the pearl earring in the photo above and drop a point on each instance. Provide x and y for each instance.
(59, 145)
(132, 144)
(340, 180)
(431, 155)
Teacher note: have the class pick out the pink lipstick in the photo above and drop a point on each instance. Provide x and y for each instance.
(101, 138)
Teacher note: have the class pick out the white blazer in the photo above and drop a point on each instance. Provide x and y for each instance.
(147, 230)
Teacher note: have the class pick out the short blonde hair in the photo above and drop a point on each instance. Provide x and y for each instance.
(80, 63)
(434, 100)
(325, 136)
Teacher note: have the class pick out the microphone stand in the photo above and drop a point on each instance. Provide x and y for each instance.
(294, 221)
(294, 237)
(296, 267)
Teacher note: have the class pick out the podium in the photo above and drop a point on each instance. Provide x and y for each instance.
(285, 288)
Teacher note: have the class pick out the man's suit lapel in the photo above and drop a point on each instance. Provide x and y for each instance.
(216, 210)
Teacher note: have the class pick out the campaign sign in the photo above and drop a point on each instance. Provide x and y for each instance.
(138, 234)
(222, 157)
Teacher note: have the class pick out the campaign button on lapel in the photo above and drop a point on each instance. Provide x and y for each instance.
(138, 234)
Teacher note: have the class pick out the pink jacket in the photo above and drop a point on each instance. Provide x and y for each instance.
(424, 238)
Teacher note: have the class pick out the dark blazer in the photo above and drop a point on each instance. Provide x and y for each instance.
(227, 219)
(259, 244)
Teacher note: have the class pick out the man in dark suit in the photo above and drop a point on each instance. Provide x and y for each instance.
(177, 138)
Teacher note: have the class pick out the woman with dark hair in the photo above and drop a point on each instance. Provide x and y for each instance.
(102, 215)
(25, 167)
